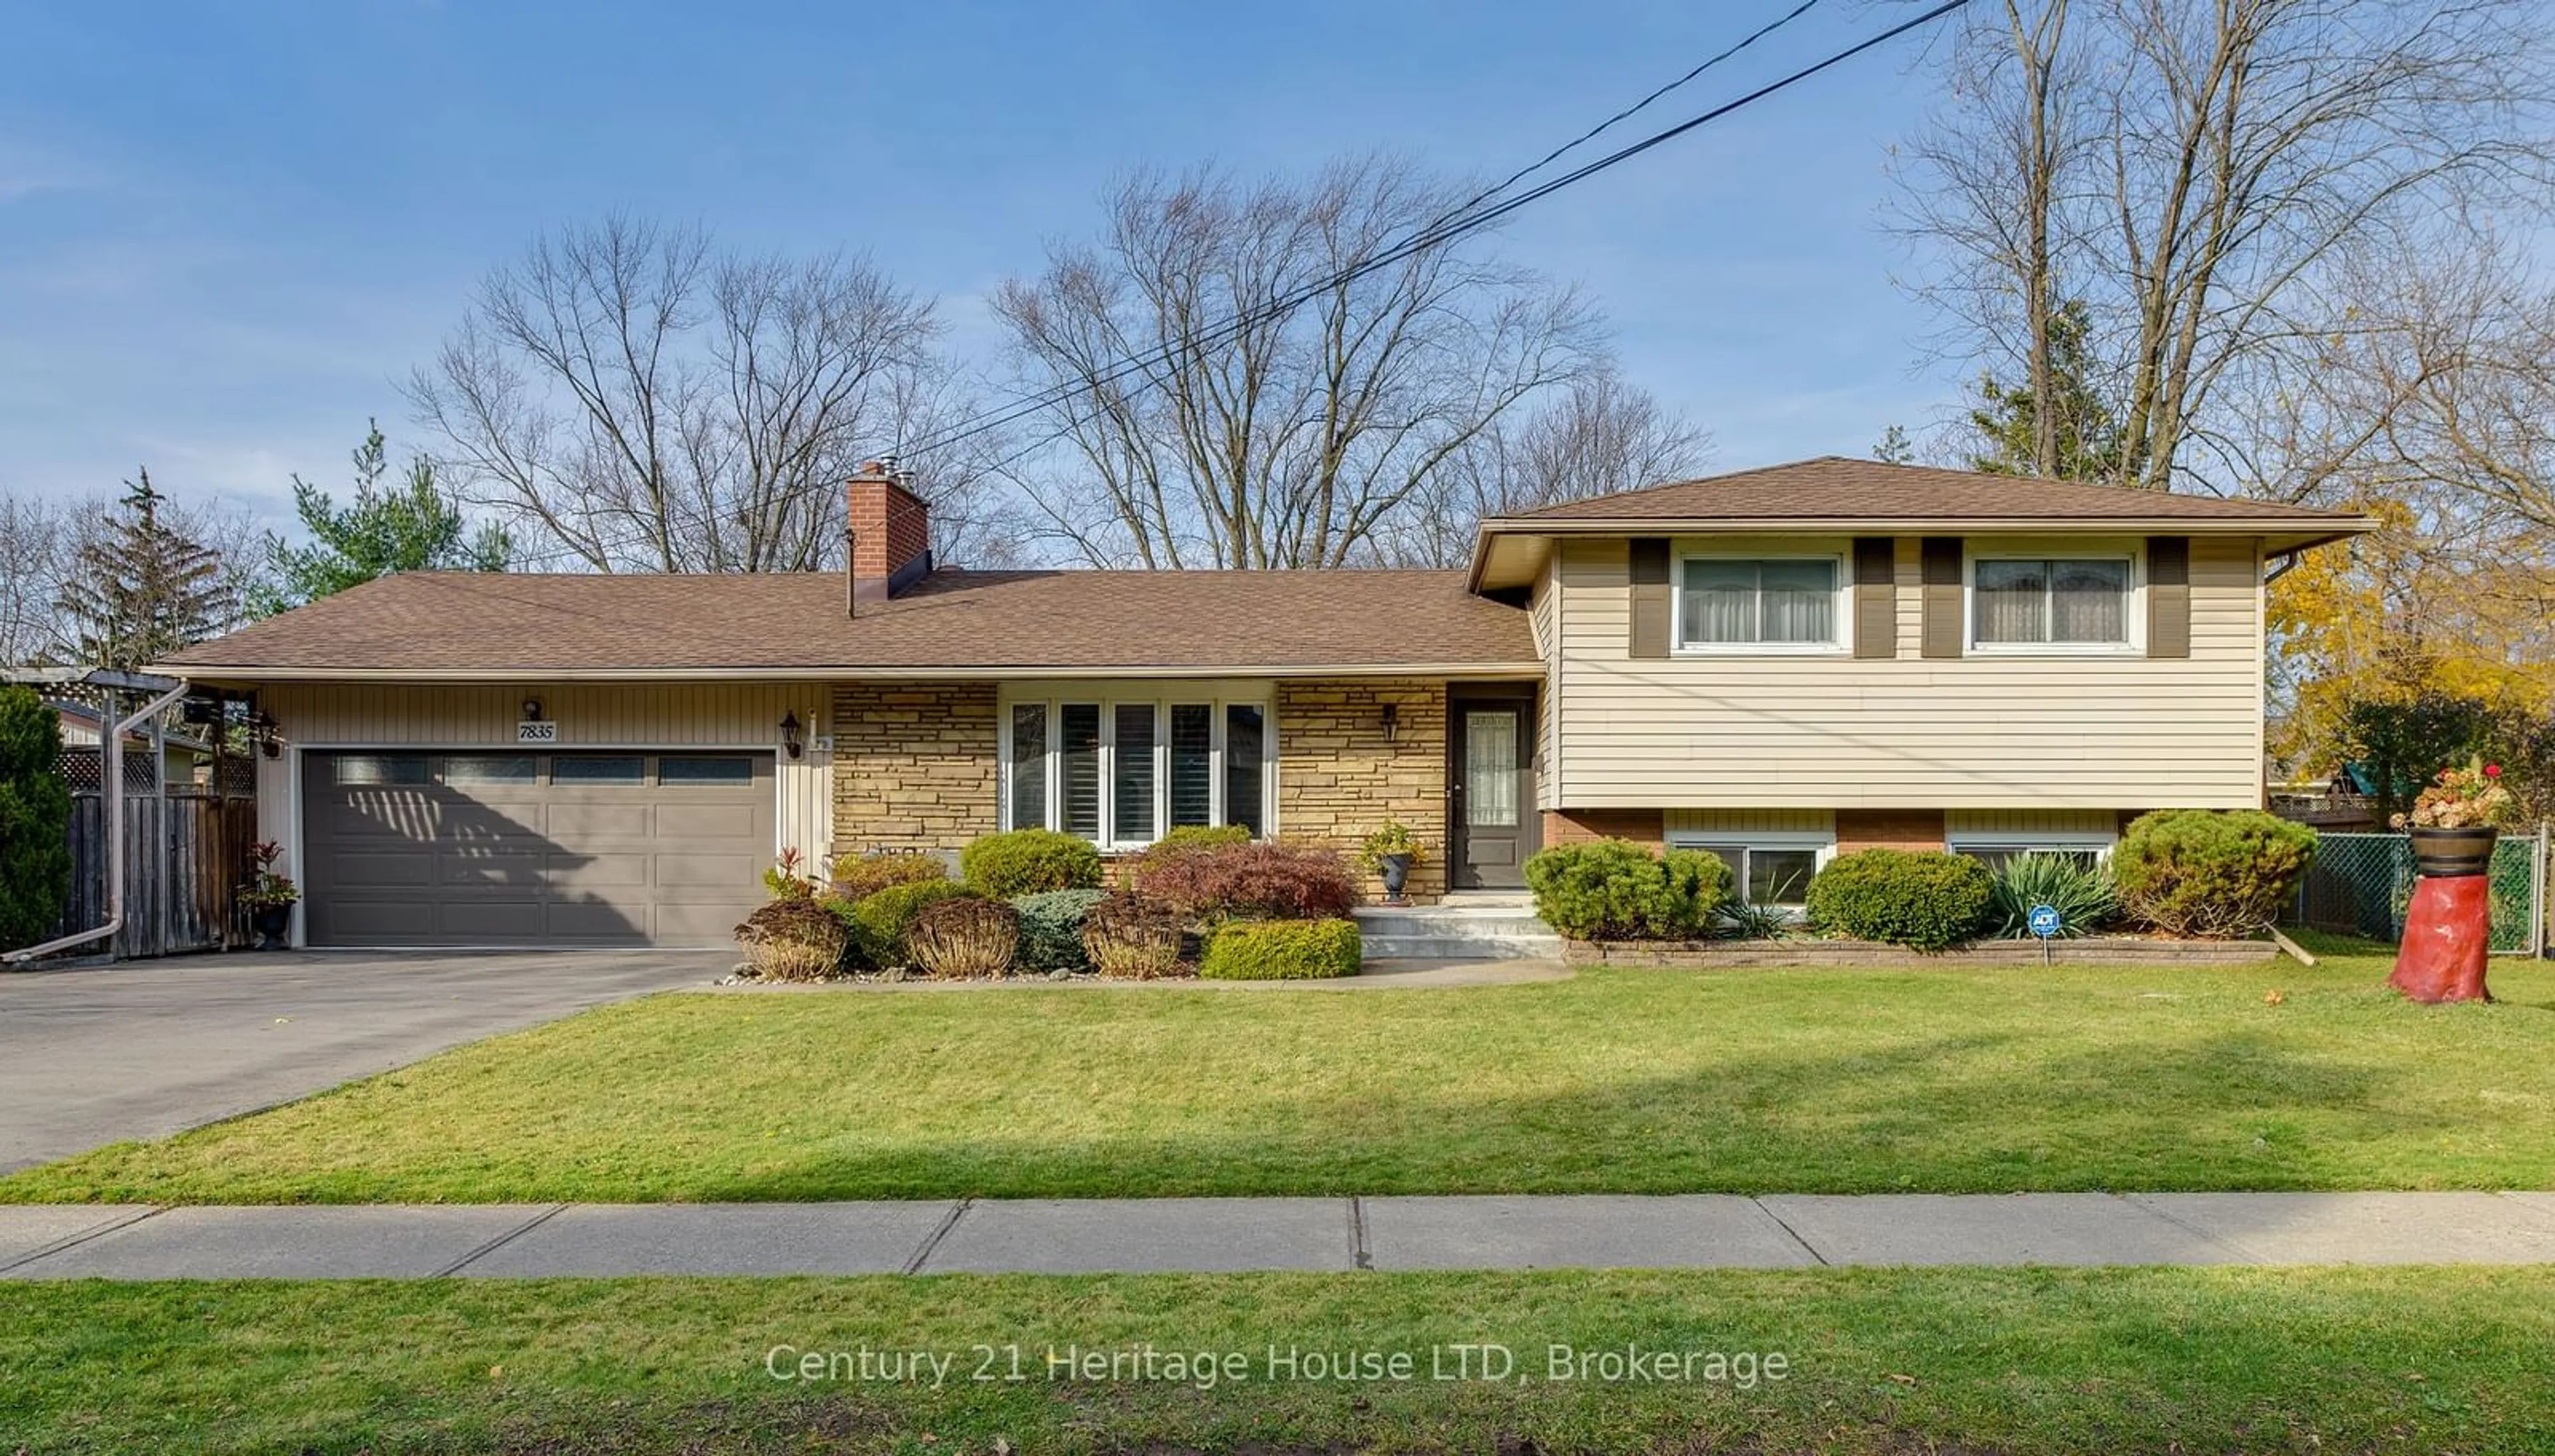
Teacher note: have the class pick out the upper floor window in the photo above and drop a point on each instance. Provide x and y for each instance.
(2053, 602)
(1782, 604)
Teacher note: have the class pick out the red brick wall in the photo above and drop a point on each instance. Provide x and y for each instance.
(891, 526)
(1888, 829)
(1577, 826)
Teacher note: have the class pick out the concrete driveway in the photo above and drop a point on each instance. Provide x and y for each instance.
(148, 1048)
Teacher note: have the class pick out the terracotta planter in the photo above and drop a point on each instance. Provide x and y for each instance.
(2447, 853)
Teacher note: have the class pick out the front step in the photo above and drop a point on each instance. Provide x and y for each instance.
(1463, 928)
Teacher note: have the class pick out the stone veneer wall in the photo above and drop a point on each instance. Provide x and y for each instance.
(1339, 776)
(915, 765)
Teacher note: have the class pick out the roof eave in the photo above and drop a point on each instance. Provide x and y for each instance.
(247, 674)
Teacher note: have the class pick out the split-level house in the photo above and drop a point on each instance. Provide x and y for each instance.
(1779, 665)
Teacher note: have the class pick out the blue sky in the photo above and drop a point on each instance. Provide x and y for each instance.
(226, 231)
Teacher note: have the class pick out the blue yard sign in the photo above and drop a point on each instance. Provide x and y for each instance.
(2044, 920)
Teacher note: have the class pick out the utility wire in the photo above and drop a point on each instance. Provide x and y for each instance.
(1454, 225)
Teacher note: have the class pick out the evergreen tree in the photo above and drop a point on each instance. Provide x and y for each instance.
(34, 821)
(415, 527)
(2090, 436)
(140, 589)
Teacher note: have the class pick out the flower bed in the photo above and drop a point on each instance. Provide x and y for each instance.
(2091, 950)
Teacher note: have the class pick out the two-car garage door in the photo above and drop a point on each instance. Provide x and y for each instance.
(523, 849)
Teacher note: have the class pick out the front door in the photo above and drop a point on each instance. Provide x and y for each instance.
(1490, 824)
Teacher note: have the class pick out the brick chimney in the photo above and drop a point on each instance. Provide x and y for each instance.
(891, 533)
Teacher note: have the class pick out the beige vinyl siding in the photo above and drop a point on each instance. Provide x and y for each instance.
(2006, 731)
(588, 715)
(1545, 616)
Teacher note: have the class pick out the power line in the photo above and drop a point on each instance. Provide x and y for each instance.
(1454, 225)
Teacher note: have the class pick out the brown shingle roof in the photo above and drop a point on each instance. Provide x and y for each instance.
(454, 622)
(1834, 488)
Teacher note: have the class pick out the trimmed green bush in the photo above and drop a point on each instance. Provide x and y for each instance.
(881, 923)
(1927, 899)
(2211, 872)
(1052, 930)
(1029, 862)
(1281, 950)
(34, 821)
(2085, 895)
(1615, 890)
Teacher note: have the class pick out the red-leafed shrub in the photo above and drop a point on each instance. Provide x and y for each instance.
(1248, 882)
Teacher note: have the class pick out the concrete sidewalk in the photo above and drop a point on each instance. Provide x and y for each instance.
(1236, 1235)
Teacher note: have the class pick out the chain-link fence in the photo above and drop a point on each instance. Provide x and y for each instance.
(2362, 885)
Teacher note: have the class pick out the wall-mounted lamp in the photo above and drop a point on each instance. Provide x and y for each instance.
(790, 733)
(1391, 720)
(532, 710)
(263, 731)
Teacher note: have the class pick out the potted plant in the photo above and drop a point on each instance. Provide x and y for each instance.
(2456, 820)
(1389, 852)
(270, 897)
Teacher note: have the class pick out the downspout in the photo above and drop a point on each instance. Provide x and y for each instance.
(113, 789)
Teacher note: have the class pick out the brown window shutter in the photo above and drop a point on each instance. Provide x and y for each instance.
(1652, 601)
(2168, 596)
(1941, 562)
(1876, 596)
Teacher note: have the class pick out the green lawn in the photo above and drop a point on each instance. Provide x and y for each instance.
(2017, 1361)
(1947, 1079)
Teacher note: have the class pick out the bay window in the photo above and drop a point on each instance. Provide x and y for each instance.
(2069, 602)
(1777, 604)
(1122, 771)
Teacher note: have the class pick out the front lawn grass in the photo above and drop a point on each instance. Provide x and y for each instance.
(1877, 1360)
(1950, 1079)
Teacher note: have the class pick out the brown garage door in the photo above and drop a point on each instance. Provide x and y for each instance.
(527, 849)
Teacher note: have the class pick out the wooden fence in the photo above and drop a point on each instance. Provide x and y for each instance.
(185, 857)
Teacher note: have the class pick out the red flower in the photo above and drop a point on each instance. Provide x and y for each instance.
(2492, 771)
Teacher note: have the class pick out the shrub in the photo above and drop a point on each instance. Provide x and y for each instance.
(1243, 882)
(1052, 930)
(1615, 890)
(784, 880)
(1281, 950)
(1924, 899)
(1029, 862)
(1180, 842)
(793, 939)
(1133, 936)
(2085, 895)
(881, 923)
(2201, 872)
(1741, 921)
(34, 821)
(857, 877)
(965, 939)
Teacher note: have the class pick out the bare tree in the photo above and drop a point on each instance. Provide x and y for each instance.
(33, 534)
(2198, 197)
(1249, 435)
(637, 398)
(1598, 437)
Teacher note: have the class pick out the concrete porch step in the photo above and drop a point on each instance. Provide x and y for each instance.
(1463, 947)
(1467, 926)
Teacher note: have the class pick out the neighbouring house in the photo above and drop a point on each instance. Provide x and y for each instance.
(184, 757)
(1779, 665)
